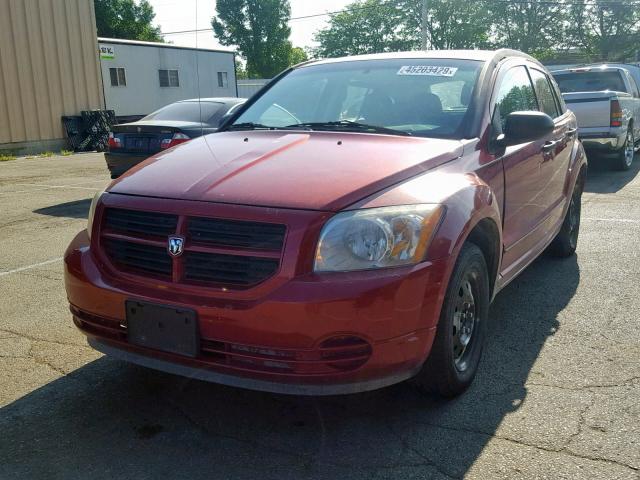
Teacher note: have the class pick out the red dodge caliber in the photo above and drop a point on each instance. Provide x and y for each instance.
(346, 229)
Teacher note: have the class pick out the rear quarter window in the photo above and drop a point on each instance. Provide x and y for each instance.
(187, 112)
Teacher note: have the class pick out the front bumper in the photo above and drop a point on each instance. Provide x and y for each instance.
(208, 375)
(395, 311)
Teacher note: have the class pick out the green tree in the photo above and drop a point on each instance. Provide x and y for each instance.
(126, 19)
(297, 55)
(259, 29)
(450, 24)
(365, 26)
(605, 31)
(241, 72)
(372, 26)
(536, 27)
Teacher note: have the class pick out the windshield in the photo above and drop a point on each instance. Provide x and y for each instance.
(186, 112)
(421, 97)
(590, 82)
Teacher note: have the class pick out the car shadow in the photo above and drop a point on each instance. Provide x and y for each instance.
(603, 179)
(75, 209)
(110, 419)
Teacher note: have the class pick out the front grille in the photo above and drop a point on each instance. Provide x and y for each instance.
(139, 257)
(136, 222)
(135, 242)
(234, 233)
(228, 269)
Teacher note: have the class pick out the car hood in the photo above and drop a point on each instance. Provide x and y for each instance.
(304, 170)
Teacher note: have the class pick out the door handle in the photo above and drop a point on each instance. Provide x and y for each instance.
(571, 132)
(549, 146)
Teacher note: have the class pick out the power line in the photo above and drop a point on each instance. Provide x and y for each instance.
(557, 3)
(292, 19)
(197, 30)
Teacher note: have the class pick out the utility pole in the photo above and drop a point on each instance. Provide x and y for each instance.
(425, 18)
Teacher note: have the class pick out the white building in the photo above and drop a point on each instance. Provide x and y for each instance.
(140, 77)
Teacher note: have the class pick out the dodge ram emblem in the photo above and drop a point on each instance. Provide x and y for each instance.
(176, 246)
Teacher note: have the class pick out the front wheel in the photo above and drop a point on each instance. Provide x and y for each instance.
(624, 158)
(457, 348)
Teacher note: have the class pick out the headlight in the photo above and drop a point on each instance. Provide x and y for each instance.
(92, 211)
(377, 238)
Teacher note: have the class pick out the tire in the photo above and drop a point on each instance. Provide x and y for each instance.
(565, 243)
(624, 157)
(452, 364)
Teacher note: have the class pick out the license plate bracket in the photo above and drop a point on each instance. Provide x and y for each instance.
(137, 143)
(162, 327)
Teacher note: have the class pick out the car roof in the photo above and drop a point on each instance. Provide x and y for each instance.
(478, 55)
(214, 99)
(590, 68)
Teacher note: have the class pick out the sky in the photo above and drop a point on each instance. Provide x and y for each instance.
(179, 15)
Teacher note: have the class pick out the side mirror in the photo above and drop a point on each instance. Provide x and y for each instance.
(523, 127)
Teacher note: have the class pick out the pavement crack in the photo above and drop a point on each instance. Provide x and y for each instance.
(588, 387)
(43, 361)
(581, 422)
(254, 444)
(44, 340)
(562, 451)
(308, 460)
(566, 449)
(42, 275)
(407, 446)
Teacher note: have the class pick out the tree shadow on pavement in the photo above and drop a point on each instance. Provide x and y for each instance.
(109, 419)
(602, 178)
(75, 209)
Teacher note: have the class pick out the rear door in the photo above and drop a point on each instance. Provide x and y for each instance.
(557, 150)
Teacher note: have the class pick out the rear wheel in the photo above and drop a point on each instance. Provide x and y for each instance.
(457, 348)
(566, 242)
(624, 158)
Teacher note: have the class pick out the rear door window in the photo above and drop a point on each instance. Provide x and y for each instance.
(562, 108)
(546, 99)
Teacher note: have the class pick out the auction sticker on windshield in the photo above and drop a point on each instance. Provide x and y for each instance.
(430, 70)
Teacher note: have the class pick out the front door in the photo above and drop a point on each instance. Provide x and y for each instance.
(525, 200)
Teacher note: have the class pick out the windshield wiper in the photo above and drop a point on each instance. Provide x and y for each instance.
(349, 125)
(249, 126)
(260, 126)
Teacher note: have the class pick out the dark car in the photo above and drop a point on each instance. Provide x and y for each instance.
(179, 122)
(346, 229)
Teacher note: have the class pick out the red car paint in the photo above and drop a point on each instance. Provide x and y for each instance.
(321, 333)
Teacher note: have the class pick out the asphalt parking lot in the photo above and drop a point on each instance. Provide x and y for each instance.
(557, 395)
